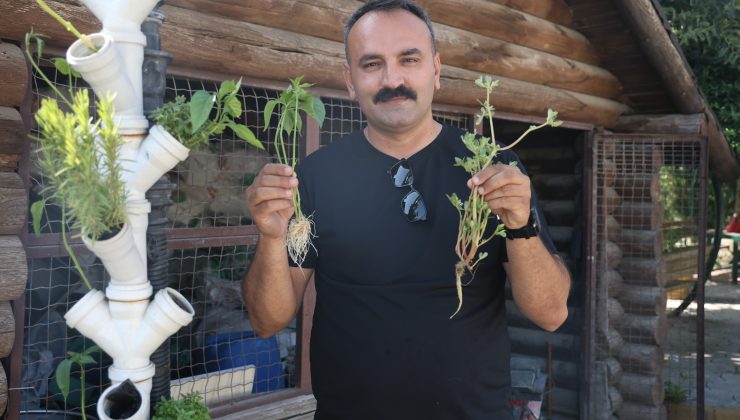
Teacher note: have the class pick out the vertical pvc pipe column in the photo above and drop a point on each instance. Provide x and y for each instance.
(154, 81)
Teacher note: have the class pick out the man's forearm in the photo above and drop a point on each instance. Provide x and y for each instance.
(540, 282)
(269, 292)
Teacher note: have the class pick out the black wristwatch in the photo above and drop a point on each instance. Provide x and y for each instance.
(531, 229)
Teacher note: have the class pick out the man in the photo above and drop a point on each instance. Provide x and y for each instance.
(383, 345)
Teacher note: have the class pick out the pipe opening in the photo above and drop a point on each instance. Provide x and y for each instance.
(180, 301)
(123, 401)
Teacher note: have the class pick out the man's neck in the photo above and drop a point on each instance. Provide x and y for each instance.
(402, 144)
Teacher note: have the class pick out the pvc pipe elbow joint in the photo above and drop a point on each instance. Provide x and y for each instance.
(159, 152)
(123, 262)
(104, 71)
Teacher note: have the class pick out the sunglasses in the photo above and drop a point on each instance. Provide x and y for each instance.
(412, 204)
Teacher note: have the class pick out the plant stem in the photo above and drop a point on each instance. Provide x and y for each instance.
(43, 76)
(70, 251)
(68, 26)
(82, 390)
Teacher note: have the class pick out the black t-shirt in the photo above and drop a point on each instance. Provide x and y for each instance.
(383, 345)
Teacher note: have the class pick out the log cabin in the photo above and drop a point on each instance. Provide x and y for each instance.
(612, 70)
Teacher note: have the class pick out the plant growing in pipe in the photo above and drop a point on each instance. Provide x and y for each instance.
(191, 124)
(64, 369)
(191, 407)
(475, 213)
(289, 104)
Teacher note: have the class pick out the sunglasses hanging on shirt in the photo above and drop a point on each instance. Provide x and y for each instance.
(412, 204)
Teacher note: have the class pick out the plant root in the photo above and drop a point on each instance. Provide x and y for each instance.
(459, 271)
(299, 238)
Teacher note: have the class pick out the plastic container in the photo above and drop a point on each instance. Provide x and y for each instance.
(241, 348)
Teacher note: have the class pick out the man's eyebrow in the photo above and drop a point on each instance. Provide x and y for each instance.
(410, 51)
(368, 57)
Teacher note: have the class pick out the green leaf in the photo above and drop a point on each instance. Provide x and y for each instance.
(37, 210)
(269, 107)
(62, 376)
(62, 65)
(288, 120)
(244, 133)
(92, 349)
(85, 359)
(233, 106)
(200, 108)
(227, 87)
(319, 111)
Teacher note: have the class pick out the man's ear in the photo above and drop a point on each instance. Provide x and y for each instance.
(348, 81)
(437, 71)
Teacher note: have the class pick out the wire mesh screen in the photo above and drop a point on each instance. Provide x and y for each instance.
(218, 354)
(649, 230)
(211, 182)
(344, 116)
(53, 286)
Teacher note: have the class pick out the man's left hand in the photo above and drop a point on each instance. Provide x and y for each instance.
(507, 191)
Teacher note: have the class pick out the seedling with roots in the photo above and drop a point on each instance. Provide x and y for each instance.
(290, 102)
(475, 213)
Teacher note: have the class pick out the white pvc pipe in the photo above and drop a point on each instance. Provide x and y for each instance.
(120, 257)
(138, 216)
(104, 70)
(144, 389)
(158, 153)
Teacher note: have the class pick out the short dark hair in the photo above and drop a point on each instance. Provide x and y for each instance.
(387, 5)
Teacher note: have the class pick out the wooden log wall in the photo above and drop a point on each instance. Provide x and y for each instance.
(558, 185)
(642, 326)
(13, 199)
(609, 284)
(540, 63)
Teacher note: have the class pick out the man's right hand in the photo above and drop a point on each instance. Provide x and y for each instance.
(270, 199)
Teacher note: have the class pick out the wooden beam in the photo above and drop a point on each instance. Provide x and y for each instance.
(13, 137)
(14, 71)
(665, 55)
(458, 47)
(13, 203)
(7, 329)
(631, 410)
(643, 271)
(614, 282)
(644, 329)
(556, 186)
(687, 124)
(13, 268)
(641, 243)
(555, 11)
(244, 49)
(638, 186)
(640, 215)
(506, 24)
(642, 389)
(644, 300)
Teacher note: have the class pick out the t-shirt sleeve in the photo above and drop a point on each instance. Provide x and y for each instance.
(307, 207)
(507, 157)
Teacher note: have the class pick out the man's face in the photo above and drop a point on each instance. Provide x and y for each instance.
(393, 72)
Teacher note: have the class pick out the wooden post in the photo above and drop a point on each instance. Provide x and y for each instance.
(14, 80)
(7, 329)
(13, 268)
(13, 203)
(646, 329)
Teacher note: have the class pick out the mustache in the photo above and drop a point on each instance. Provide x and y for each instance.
(388, 93)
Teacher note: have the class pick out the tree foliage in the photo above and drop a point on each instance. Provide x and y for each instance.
(709, 34)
